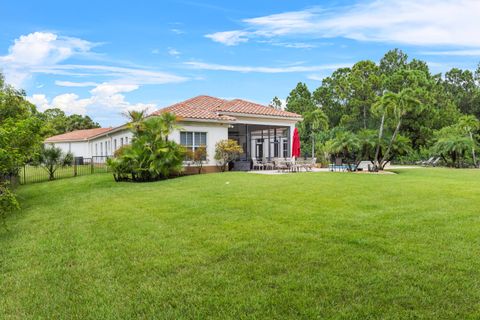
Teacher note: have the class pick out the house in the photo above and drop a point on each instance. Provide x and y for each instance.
(262, 131)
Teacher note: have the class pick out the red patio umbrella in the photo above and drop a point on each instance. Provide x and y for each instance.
(296, 144)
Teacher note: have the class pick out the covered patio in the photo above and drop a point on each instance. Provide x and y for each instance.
(260, 142)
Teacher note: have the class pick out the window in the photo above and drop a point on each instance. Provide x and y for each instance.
(192, 140)
(101, 149)
(285, 148)
(114, 144)
(96, 149)
(121, 142)
(126, 140)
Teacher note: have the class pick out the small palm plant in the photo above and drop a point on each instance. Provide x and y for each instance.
(52, 158)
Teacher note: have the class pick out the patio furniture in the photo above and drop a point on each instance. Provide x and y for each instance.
(435, 162)
(268, 164)
(257, 164)
(363, 165)
(425, 162)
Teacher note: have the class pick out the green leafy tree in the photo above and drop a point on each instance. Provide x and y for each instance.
(461, 87)
(300, 100)
(276, 103)
(226, 151)
(55, 122)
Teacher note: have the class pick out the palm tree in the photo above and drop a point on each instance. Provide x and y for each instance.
(135, 118)
(469, 124)
(452, 148)
(317, 120)
(396, 105)
(347, 144)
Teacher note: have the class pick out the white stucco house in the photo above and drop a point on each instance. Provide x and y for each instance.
(262, 131)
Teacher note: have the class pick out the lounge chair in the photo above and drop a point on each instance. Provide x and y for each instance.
(425, 162)
(435, 162)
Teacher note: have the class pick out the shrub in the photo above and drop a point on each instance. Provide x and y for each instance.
(226, 151)
(51, 158)
(8, 202)
(197, 157)
(150, 156)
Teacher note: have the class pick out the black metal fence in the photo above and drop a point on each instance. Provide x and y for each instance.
(79, 167)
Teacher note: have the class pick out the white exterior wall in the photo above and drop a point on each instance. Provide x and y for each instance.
(97, 145)
(215, 132)
(77, 148)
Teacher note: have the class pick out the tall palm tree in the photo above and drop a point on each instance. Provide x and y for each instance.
(395, 105)
(318, 120)
(469, 124)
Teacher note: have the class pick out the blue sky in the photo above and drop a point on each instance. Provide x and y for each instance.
(103, 57)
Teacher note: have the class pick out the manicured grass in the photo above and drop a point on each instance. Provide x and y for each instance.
(239, 245)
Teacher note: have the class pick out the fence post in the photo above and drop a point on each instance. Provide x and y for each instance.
(24, 174)
(74, 168)
(91, 165)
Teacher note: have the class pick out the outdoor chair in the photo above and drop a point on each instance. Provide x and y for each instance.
(268, 164)
(435, 162)
(425, 162)
(257, 164)
(282, 165)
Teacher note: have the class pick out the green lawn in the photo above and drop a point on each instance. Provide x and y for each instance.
(240, 245)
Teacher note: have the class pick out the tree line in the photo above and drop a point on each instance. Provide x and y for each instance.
(22, 131)
(396, 109)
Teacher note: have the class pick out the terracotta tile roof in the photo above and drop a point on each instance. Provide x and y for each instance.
(211, 108)
(78, 135)
(190, 111)
(247, 107)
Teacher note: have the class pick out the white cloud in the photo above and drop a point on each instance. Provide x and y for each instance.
(45, 53)
(39, 49)
(177, 31)
(119, 74)
(106, 96)
(229, 38)
(261, 69)
(40, 100)
(464, 53)
(315, 77)
(173, 52)
(75, 84)
(70, 103)
(414, 22)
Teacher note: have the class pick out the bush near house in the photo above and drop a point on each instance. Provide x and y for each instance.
(226, 151)
(197, 157)
(150, 156)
